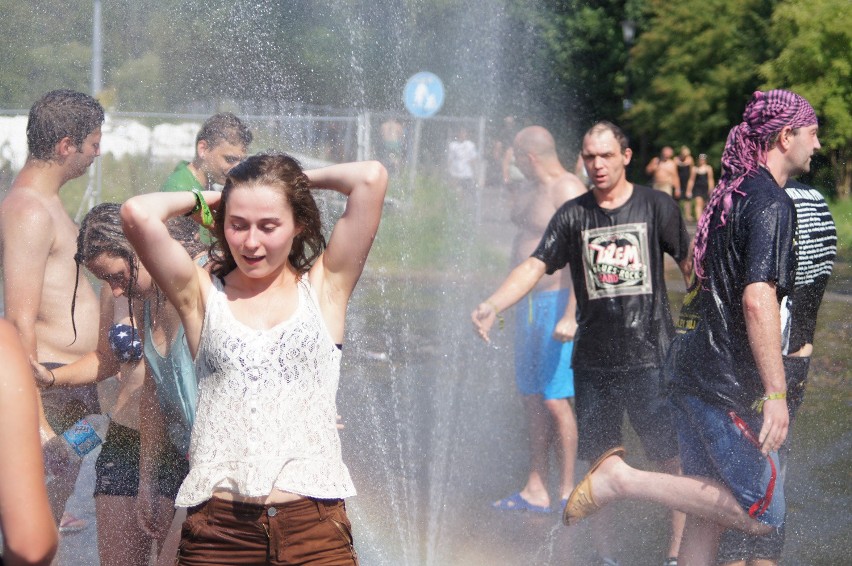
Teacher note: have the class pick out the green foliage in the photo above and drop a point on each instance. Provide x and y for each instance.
(695, 66)
(815, 45)
(428, 231)
(841, 210)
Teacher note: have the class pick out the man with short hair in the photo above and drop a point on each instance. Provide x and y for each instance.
(545, 325)
(613, 238)
(221, 143)
(729, 387)
(38, 238)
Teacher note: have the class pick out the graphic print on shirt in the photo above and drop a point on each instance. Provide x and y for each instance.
(616, 260)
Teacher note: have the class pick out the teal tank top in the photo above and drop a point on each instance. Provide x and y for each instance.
(177, 386)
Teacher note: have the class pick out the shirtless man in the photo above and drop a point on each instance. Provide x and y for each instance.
(38, 242)
(663, 171)
(544, 324)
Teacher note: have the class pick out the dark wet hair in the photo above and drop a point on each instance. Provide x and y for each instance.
(101, 234)
(285, 174)
(618, 133)
(59, 114)
(224, 127)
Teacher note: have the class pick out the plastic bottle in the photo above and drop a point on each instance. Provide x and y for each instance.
(87, 434)
(64, 452)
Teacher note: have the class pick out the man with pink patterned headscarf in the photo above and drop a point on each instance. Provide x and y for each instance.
(729, 389)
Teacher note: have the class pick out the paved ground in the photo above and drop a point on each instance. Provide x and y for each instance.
(435, 432)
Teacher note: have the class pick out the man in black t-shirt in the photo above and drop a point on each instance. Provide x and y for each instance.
(614, 238)
(816, 247)
(729, 387)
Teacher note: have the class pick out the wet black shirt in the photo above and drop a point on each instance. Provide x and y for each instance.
(755, 245)
(616, 259)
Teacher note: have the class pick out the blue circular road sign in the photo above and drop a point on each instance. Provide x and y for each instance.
(424, 95)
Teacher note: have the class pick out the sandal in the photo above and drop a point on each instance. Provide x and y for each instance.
(581, 504)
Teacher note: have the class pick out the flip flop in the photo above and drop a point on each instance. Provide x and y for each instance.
(71, 524)
(517, 503)
(581, 504)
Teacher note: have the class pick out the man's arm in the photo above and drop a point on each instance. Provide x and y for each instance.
(763, 325)
(27, 233)
(566, 328)
(686, 268)
(520, 281)
(652, 166)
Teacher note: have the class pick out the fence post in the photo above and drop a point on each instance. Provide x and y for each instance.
(364, 136)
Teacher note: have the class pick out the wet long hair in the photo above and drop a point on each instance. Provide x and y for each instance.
(284, 174)
(101, 233)
(745, 150)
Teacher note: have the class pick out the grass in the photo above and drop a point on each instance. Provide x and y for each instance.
(841, 210)
(427, 231)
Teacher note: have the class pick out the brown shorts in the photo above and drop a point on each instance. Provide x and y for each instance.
(307, 531)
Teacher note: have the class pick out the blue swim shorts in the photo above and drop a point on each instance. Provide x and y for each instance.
(714, 445)
(542, 364)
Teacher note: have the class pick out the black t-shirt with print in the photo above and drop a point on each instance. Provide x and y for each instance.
(754, 245)
(816, 247)
(616, 260)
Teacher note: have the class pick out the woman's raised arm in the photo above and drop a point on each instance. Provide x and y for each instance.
(143, 219)
(364, 184)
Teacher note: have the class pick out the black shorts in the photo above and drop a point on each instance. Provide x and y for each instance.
(117, 467)
(64, 406)
(602, 397)
(172, 468)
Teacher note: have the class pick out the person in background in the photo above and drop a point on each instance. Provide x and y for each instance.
(701, 184)
(26, 522)
(544, 326)
(685, 165)
(664, 174)
(462, 161)
(39, 280)
(221, 143)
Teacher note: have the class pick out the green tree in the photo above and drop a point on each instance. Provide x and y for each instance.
(695, 65)
(815, 45)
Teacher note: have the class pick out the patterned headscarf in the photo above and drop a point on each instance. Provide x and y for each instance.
(765, 116)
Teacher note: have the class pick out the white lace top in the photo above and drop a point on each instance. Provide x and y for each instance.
(266, 415)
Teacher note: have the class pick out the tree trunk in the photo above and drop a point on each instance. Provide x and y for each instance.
(842, 166)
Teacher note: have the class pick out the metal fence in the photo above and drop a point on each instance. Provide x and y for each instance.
(316, 135)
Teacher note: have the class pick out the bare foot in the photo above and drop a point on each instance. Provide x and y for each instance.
(605, 480)
(539, 498)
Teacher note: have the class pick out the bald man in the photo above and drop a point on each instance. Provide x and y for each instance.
(545, 324)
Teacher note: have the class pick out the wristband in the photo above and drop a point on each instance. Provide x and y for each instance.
(758, 405)
(201, 204)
